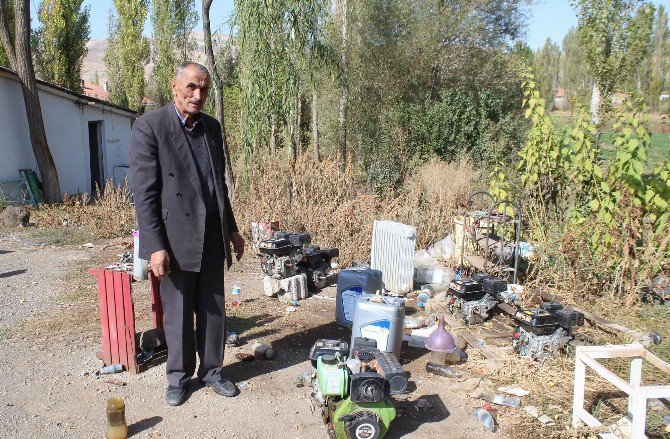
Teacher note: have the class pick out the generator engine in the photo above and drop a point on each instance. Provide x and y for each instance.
(474, 298)
(288, 254)
(353, 390)
(543, 332)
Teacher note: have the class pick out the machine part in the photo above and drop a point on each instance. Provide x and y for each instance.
(288, 254)
(388, 366)
(494, 286)
(364, 349)
(366, 420)
(551, 307)
(275, 246)
(568, 318)
(466, 288)
(475, 311)
(332, 378)
(535, 320)
(279, 266)
(367, 387)
(325, 346)
(363, 424)
(540, 347)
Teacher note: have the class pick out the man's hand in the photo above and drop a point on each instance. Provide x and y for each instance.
(238, 244)
(160, 263)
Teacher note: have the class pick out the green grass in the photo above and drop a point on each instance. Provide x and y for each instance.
(659, 150)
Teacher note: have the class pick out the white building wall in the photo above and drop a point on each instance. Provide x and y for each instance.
(66, 124)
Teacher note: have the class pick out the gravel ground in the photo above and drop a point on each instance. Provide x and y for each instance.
(49, 335)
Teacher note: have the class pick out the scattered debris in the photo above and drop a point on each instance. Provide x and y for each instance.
(483, 415)
(442, 370)
(88, 245)
(15, 216)
(244, 356)
(290, 309)
(115, 382)
(516, 391)
(508, 401)
(304, 379)
(233, 339)
(537, 414)
(263, 351)
(109, 369)
(243, 384)
(414, 322)
(423, 404)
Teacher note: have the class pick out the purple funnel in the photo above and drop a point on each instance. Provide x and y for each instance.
(440, 340)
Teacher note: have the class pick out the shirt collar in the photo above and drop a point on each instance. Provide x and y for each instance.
(182, 119)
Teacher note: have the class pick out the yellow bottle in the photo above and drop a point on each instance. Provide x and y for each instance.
(116, 419)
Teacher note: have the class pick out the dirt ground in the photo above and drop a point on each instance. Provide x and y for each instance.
(50, 333)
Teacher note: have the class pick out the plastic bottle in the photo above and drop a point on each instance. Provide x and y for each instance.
(423, 297)
(111, 368)
(486, 418)
(116, 419)
(509, 401)
(442, 370)
(236, 296)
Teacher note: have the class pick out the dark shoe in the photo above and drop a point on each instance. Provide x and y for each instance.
(175, 395)
(222, 386)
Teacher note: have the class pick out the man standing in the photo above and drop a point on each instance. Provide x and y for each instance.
(186, 227)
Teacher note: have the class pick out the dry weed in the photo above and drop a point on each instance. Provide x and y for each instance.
(108, 214)
(339, 210)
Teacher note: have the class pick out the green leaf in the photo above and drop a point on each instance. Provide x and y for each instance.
(594, 204)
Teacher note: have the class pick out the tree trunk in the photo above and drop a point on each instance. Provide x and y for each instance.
(20, 58)
(342, 113)
(273, 137)
(298, 126)
(315, 128)
(595, 105)
(218, 93)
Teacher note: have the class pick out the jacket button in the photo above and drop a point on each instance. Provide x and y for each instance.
(188, 214)
(178, 195)
(171, 174)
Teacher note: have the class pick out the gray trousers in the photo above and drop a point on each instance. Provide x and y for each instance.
(189, 293)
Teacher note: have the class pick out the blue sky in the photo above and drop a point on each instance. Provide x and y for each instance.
(553, 19)
(548, 18)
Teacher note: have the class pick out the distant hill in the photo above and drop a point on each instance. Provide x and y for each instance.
(96, 51)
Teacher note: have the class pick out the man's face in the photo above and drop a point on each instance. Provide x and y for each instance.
(190, 91)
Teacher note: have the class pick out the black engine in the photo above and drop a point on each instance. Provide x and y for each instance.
(288, 254)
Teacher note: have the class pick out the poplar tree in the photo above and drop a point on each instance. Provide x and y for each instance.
(172, 22)
(127, 53)
(61, 42)
(546, 62)
(615, 37)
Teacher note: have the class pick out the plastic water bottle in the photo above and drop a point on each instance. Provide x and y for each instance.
(485, 417)
(423, 297)
(236, 296)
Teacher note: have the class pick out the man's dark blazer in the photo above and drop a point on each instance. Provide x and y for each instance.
(167, 191)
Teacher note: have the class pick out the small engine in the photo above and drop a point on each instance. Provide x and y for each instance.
(544, 332)
(288, 254)
(354, 392)
(475, 297)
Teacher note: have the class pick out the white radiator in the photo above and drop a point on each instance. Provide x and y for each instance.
(393, 254)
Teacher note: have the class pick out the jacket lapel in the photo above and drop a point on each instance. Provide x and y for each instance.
(183, 150)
